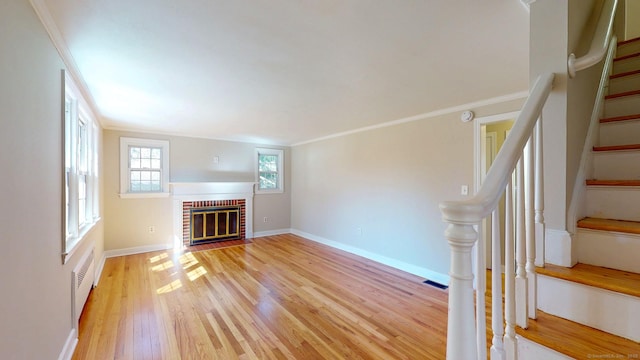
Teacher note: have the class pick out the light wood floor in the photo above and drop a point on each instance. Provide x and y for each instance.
(281, 297)
(284, 297)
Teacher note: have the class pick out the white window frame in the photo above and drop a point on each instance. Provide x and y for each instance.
(76, 113)
(280, 172)
(125, 173)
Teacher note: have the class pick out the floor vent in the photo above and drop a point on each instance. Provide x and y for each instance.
(82, 283)
(435, 284)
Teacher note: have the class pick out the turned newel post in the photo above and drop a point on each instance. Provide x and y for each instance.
(461, 330)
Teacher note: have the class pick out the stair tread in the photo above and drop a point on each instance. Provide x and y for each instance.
(630, 227)
(625, 57)
(620, 118)
(628, 41)
(617, 147)
(628, 73)
(622, 94)
(595, 182)
(576, 340)
(624, 282)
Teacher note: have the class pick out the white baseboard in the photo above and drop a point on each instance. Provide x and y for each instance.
(136, 250)
(270, 233)
(69, 346)
(99, 269)
(412, 269)
(558, 248)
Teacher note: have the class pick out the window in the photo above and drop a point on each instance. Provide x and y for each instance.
(82, 194)
(269, 171)
(144, 167)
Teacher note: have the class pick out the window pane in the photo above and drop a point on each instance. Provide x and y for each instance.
(135, 153)
(145, 153)
(145, 175)
(268, 163)
(135, 163)
(155, 153)
(268, 181)
(155, 163)
(155, 176)
(145, 163)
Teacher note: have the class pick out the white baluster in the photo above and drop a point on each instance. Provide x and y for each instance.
(497, 347)
(481, 286)
(461, 328)
(539, 195)
(530, 231)
(510, 341)
(521, 273)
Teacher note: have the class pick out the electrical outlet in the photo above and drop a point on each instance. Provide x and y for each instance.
(216, 159)
(152, 229)
(464, 190)
(266, 219)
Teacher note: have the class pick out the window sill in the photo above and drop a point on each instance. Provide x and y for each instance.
(267, 192)
(74, 243)
(144, 195)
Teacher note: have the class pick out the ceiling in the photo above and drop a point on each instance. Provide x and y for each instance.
(284, 72)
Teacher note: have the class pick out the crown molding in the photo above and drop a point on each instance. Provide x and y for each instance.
(55, 35)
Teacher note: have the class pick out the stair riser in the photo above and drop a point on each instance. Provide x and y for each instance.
(620, 203)
(601, 309)
(627, 49)
(609, 249)
(620, 133)
(622, 106)
(624, 84)
(625, 65)
(616, 165)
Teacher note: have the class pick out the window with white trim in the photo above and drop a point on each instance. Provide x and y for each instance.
(269, 171)
(81, 143)
(144, 167)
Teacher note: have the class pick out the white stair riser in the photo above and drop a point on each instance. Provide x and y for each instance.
(616, 165)
(625, 65)
(624, 84)
(601, 309)
(609, 249)
(620, 132)
(620, 203)
(529, 350)
(625, 105)
(628, 49)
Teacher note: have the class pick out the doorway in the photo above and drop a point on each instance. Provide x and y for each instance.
(490, 134)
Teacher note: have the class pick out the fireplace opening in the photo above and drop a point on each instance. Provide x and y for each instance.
(217, 223)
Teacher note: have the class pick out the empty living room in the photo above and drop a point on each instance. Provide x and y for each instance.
(319, 179)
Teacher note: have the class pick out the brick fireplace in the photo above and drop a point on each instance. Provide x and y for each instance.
(201, 196)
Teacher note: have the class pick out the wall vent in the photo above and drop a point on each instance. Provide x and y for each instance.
(81, 284)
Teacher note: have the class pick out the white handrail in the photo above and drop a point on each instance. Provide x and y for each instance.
(478, 207)
(600, 42)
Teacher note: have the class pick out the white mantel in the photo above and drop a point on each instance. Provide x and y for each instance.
(204, 191)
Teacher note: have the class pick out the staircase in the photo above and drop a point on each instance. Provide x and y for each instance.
(603, 290)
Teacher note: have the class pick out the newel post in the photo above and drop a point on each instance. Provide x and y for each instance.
(461, 329)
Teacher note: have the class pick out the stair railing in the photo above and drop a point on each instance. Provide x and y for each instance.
(521, 154)
(599, 43)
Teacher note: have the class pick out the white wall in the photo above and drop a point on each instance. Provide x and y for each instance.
(191, 160)
(387, 182)
(35, 306)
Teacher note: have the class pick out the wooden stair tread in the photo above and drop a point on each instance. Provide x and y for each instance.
(625, 42)
(620, 118)
(628, 73)
(622, 94)
(625, 57)
(620, 281)
(595, 182)
(575, 340)
(630, 227)
(617, 147)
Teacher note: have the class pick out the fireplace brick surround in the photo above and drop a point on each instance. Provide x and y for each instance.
(187, 196)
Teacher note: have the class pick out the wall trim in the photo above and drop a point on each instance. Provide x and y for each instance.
(258, 234)
(136, 250)
(412, 269)
(69, 346)
(99, 268)
(559, 249)
(445, 111)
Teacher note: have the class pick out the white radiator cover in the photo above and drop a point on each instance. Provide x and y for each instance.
(82, 279)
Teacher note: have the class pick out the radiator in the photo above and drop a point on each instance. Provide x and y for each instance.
(82, 283)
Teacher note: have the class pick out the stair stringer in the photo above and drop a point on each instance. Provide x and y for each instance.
(598, 308)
